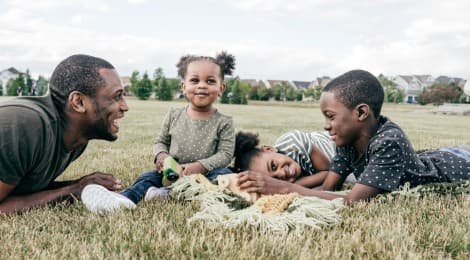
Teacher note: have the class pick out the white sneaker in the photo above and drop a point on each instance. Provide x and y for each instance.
(154, 193)
(98, 199)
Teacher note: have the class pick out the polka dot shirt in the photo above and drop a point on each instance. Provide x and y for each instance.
(390, 161)
(210, 141)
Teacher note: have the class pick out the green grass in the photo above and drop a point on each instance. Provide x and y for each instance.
(435, 227)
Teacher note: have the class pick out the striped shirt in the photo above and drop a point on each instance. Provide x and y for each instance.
(298, 146)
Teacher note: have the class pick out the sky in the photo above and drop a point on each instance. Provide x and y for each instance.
(271, 39)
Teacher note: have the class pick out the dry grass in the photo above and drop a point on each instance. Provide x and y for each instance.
(435, 227)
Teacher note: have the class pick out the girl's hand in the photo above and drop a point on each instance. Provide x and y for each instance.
(159, 162)
(193, 168)
(251, 181)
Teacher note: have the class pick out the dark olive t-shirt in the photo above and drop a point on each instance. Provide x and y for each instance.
(32, 151)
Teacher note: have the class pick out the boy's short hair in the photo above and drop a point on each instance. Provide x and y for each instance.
(355, 87)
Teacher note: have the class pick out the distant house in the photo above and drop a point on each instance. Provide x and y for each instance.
(126, 83)
(412, 85)
(449, 80)
(270, 83)
(466, 90)
(6, 75)
(252, 82)
(321, 81)
(301, 85)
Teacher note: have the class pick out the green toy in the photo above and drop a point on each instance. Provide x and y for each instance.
(171, 171)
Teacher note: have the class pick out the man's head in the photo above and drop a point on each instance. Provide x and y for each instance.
(348, 103)
(89, 90)
(76, 73)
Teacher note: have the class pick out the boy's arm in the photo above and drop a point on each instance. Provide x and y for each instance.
(333, 181)
(312, 181)
(250, 181)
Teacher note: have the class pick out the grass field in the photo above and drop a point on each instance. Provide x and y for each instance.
(432, 228)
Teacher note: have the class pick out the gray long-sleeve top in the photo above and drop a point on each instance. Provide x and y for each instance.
(210, 141)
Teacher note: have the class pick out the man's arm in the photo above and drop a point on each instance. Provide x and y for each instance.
(19, 203)
(12, 204)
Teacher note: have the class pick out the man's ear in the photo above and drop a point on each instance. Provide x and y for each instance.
(267, 148)
(363, 111)
(77, 102)
(183, 87)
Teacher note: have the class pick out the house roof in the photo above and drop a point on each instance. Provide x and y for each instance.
(301, 84)
(12, 71)
(447, 80)
(274, 82)
(251, 82)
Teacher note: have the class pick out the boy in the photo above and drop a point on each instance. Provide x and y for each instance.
(370, 146)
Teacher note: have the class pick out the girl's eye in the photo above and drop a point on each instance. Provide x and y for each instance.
(273, 166)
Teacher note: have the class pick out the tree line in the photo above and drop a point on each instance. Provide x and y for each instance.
(24, 85)
(239, 92)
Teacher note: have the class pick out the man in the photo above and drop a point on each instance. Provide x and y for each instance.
(41, 136)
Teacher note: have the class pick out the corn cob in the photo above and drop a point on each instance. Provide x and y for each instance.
(275, 203)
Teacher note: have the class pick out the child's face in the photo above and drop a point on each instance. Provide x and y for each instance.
(276, 165)
(340, 122)
(202, 83)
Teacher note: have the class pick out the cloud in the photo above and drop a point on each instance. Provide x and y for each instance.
(137, 2)
(47, 5)
(428, 39)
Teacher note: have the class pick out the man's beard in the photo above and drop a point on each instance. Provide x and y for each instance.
(101, 131)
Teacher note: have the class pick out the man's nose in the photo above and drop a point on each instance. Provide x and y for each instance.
(124, 106)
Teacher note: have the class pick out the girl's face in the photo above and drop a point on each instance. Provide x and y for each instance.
(202, 84)
(276, 165)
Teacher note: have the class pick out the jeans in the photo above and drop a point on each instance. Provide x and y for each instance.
(460, 151)
(137, 191)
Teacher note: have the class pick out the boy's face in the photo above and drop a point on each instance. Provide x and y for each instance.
(341, 123)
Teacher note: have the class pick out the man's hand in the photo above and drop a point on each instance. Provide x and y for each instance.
(251, 181)
(104, 179)
(159, 162)
(193, 168)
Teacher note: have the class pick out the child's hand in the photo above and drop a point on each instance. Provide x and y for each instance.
(193, 168)
(160, 158)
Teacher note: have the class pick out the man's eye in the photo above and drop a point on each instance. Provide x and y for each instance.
(118, 97)
(273, 166)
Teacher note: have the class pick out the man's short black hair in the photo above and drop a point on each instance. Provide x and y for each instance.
(76, 73)
(355, 87)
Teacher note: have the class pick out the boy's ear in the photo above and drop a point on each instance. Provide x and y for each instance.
(363, 111)
(77, 102)
(267, 148)
(183, 86)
